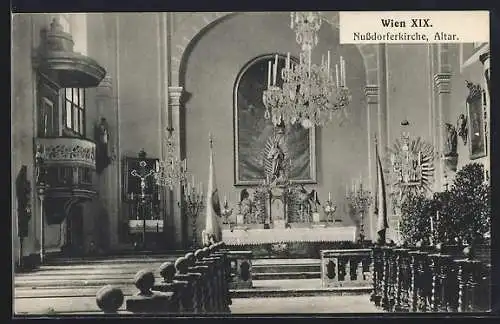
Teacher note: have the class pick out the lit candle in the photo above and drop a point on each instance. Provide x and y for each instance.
(157, 166)
(432, 228)
(291, 20)
(269, 64)
(194, 184)
(341, 71)
(288, 61)
(275, 69)
(328, 62)
(337, 75)
(329, 196)
(309, 58)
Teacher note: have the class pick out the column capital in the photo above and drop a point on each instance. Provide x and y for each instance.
(174, 94)
(371, 93)
(442, 82)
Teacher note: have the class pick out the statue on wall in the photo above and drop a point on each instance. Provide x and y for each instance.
(102, 140)
(450, 149)
(462, 128)
(277, 156)
(40, 165)
(451, 140)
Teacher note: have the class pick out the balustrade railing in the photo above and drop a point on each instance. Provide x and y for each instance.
(195, 283)
(437, 279)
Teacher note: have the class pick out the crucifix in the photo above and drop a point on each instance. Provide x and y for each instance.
(142, 175)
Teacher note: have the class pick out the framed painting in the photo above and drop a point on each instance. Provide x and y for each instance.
(252, 130)
(475, 115)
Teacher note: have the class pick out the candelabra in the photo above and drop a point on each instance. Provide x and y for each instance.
(309, 94)
(359, 201)
(330, 207)
(193, 199)
(171, 170)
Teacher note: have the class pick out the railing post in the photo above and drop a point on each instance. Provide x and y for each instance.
(147, 301)
(386, 278)
(109, 299)
(225, 278)
(189, 294)
(377, 266)
(199, 283)
(167, 272)
(414, 260)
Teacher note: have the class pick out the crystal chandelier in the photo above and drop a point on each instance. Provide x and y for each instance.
(310, 95)
(171, 170)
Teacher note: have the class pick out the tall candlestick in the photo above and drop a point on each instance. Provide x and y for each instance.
(337, 75)
(269, 64)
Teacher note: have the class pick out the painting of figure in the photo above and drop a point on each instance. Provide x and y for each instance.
(252, 130)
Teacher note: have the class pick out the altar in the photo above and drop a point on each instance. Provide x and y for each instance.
(289, 235)
(298, 242)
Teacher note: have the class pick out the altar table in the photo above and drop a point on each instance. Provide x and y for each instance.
(288, 235)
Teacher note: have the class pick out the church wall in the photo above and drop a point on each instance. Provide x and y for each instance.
(22, 115)
(408, 91)
(139, 83)
(211, 71)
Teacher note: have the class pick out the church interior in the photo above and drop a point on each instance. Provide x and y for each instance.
(130, 131)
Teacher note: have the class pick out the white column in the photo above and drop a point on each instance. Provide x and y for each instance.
(108, 184)
(442, 82)
(372, 100)
(174, 94)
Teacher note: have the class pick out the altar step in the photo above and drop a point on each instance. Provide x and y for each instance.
(280, 269)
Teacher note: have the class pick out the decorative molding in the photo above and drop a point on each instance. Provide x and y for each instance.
(372, 94)
(442, 82)
(66, 150)
(174, 95)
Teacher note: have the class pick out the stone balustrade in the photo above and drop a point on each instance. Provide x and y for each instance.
(346, 268)
(431, 279)
(194, 284)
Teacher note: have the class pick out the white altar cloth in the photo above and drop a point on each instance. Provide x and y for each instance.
(287, 235)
